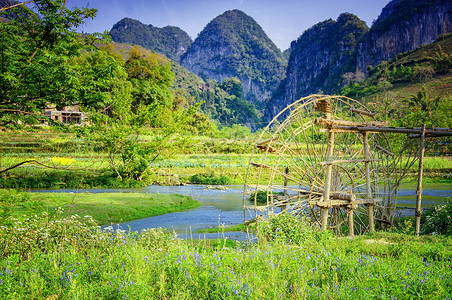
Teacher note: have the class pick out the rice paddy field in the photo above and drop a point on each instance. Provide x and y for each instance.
(72, 163)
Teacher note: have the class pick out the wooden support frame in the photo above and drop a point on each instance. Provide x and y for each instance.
(338, 162)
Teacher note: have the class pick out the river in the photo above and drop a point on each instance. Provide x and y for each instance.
(224, 207)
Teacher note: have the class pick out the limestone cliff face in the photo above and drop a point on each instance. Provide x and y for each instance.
(234, 45)
(404, 25)
(324, 53)
(318, 60)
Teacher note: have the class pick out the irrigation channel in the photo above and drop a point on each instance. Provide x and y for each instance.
(224, 207)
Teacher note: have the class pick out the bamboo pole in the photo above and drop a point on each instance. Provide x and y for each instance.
(286, 180)
(351, 228)
(376, 129)
(419, 182)
(326, 194)
(370, 208)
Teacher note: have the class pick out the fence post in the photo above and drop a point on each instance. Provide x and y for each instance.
(419, 181)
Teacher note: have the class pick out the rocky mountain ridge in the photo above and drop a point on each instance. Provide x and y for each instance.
(234, 45)
(403, 26)
(169, 40)
(318, 60)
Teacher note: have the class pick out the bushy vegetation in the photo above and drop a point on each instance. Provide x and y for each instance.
(438, 220)
(48, 255)
(411, 89)
(210, 179)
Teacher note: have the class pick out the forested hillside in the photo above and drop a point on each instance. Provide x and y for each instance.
(221, 104)
(169, 40)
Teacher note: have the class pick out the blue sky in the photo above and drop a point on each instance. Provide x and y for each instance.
(282, 20)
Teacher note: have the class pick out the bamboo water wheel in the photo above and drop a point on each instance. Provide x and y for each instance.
(329, 161)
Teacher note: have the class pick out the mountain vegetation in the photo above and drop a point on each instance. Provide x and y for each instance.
(403, 26)
(411, 89)
(234, 45)
(169, 40)
(219, 105)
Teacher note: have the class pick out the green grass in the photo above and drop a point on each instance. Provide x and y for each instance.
(219, 229)
(108, 208)
(47, 257)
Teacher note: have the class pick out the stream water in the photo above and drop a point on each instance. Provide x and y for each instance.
(224, 207)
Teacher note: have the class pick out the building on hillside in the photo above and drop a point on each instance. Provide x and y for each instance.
(68, 114)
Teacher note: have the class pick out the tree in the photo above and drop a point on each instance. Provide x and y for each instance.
(38, 68)
(142, 105)
(424, 109)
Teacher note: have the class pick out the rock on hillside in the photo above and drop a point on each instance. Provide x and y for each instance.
(170, 41)
(404, 25)
(318, 60)
(234, 45)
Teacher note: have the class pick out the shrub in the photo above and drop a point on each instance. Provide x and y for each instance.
(261, 196)
(439, 219)
(285, 228)
(210, 178)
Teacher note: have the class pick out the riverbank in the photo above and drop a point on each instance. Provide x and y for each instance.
(104, 208)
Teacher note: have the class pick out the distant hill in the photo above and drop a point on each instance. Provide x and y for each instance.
(220, 103)
(234, 45)
(170, 41)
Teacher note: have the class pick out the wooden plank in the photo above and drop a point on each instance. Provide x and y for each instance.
(339, 202)
(368, 181)
(346, 161)
(267, 141)
(384, 150)
(328, 178)
(322, 121)
(351, 228)
(362, 112)
(377, 129)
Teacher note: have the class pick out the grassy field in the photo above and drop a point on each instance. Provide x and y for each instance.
(71, 162)
(67, 258)
(104, 208)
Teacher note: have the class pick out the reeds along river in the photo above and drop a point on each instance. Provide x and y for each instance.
(225, 207)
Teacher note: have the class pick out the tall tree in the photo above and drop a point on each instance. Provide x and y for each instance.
(38, 49)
